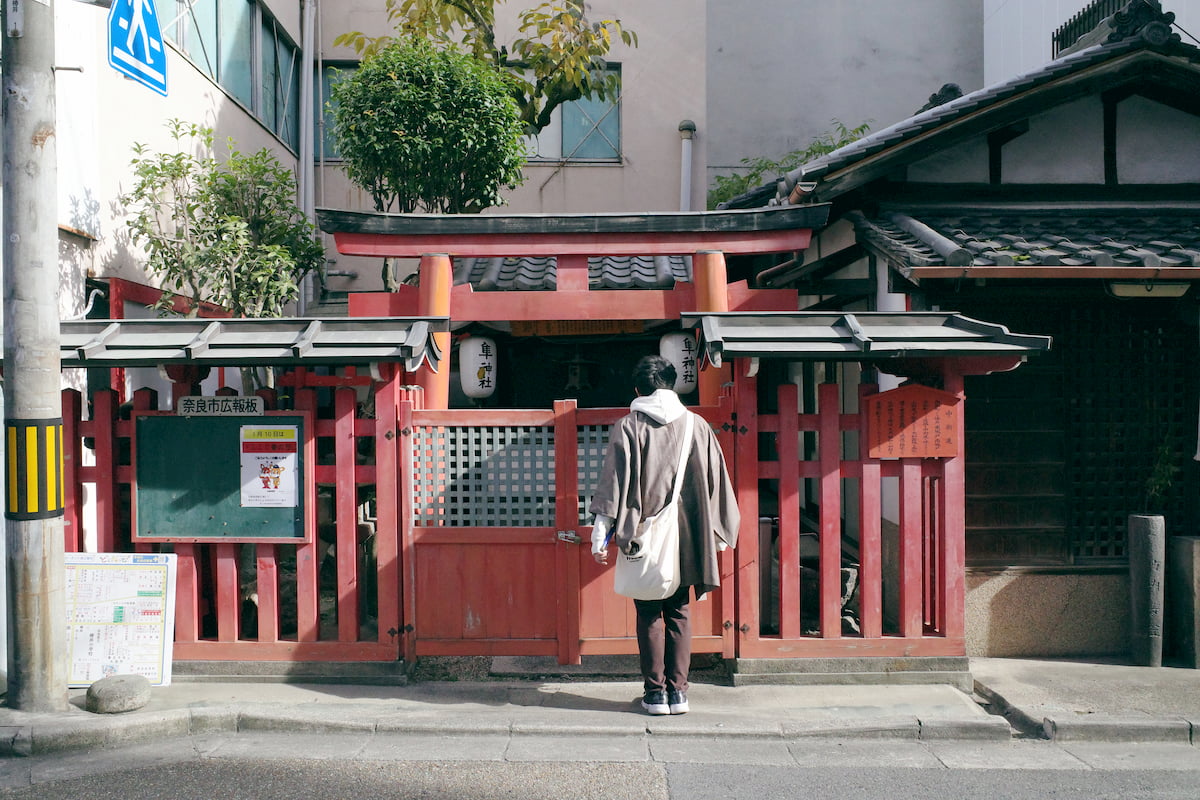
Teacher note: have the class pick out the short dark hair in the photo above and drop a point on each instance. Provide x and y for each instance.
(652, 373)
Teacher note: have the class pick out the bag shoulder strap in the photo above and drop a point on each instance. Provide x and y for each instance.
(684, 449)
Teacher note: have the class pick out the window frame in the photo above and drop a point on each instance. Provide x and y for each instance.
(279, 113)
(615, 106)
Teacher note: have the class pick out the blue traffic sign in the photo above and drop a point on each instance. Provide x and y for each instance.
(135, 44)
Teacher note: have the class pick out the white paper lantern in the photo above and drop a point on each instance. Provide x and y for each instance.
(477, 366)
(680, 350)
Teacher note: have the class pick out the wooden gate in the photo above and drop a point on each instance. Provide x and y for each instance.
(496, 547)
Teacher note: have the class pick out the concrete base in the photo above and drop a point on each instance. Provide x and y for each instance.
(368, 673)
(1031, 613)
(954, 671)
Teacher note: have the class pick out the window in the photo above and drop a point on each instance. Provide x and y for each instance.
(331, 73)
(280, 83)
(581, 130)
(260, 71)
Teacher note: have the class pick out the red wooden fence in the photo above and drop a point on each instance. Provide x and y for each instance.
(376, 584)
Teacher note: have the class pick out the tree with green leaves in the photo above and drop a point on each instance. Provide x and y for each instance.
(761, 169)
(557, 56)
(428, 129)
(228, 233)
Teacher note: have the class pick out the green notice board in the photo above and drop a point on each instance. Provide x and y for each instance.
(220, 478)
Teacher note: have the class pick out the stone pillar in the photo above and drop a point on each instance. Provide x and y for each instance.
(712, 294)
(1184, 592)
(1147, 556)
(433, 300)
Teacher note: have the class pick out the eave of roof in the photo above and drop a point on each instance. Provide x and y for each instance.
(742, 221)
(866, 337)
(647, 234)
(1147, 241)
(251, 342)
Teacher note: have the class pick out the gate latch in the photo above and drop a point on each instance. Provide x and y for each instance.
(570, 537)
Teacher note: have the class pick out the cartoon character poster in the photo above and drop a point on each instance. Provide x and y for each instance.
(269, 465)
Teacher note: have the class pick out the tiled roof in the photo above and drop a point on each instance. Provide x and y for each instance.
(1003, 237)
(604, 272)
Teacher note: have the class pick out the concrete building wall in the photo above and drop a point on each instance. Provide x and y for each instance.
(780, 70)
(102, 114)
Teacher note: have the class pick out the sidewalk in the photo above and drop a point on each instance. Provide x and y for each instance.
(1061, 700)
(1078, 700)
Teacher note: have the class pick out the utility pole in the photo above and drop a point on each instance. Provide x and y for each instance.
(33, 510)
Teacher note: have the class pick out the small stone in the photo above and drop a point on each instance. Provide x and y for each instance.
(117, 694)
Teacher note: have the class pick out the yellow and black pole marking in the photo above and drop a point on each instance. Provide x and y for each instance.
(34, 468)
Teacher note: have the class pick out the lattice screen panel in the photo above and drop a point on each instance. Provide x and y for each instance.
(593, 444)
(1132, 377)
(484, 476)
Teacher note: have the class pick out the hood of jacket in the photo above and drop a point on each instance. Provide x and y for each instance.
(663, 406)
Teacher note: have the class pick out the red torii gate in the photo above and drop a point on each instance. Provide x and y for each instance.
(435, 239)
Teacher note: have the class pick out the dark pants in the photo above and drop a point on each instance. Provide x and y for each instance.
(664, 632)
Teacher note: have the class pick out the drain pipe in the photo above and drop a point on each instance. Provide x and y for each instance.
(687, 130)
(305, 170)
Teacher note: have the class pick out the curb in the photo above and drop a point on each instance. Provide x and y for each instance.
(49, 735)
(1090, 728)
(1118, 729)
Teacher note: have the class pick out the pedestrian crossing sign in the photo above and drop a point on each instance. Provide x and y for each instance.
(135, 43)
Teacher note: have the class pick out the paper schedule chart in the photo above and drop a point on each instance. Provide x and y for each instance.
(120, 615)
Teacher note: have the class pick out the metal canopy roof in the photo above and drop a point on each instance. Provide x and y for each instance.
(867, 336)
(249, 342)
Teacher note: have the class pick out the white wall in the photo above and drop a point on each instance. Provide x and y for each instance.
(1017, 32)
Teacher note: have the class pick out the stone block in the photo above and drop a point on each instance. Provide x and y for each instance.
(117, 694)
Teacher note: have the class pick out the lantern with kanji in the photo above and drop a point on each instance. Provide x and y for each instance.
(680, 350)
(477, 366)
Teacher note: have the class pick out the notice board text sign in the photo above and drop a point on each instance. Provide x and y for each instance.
(223, 478)
(912, 421)
(120, 615)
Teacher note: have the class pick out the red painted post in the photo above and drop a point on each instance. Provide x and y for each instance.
(952, 561)
(436, 282)
(387, 503)
(726, 560)
(911, 534)
(72, 445)
(104, 434)
(711, 277)
(566, 515)
(228, 592)
(267, 583)
(830, 544)
(787, 444)
(870, 540)
(746, 486)
(408, 560)
(308, 558)
(346, 510)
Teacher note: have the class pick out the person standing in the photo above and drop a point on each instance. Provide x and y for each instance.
(636, 483)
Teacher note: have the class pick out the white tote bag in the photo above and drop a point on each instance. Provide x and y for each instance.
(650, 570)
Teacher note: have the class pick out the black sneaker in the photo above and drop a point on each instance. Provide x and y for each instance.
(677, 702)
(655, 703)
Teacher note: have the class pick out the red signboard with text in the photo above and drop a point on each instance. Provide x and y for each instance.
(912, 421)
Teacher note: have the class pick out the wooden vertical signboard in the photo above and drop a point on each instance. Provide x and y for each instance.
(913, 421)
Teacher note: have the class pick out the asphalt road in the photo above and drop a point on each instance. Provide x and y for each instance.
(304, 780)
(286, 767)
